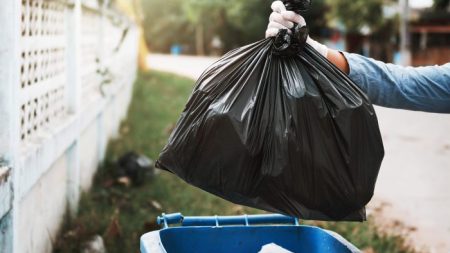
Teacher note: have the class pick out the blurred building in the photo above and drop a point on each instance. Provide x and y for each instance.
(430, 38)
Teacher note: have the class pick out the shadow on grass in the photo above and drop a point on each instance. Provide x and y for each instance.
(122, 214)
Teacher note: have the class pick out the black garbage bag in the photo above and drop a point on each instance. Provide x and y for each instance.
(274, 125)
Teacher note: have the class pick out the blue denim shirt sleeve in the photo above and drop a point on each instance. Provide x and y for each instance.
(412, 88)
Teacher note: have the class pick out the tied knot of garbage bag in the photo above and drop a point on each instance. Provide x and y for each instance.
(297, 5)
(289, 44)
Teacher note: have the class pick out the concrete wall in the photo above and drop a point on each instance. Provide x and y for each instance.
(90, 149)
(41, 210)
(66, 74)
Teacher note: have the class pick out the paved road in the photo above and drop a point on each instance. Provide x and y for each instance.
(414, 182)
(189, 66)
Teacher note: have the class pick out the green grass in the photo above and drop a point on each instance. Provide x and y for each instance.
(121, 214)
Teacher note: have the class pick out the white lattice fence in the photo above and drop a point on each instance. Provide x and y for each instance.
(66, 72)
(43, 65)
(91, 31)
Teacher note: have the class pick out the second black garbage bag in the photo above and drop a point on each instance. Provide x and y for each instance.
(276, 126)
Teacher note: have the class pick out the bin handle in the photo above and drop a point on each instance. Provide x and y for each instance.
(246, 220)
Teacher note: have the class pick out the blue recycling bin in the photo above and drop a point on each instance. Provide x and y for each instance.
(246, 233)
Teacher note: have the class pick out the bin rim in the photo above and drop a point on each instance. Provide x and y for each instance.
(165, 220)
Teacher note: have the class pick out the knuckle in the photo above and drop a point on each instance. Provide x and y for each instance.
(286, 14)
(291, 16)
(289, 24)
(275, 25)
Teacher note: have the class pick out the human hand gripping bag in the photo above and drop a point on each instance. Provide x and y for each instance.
(274, 125)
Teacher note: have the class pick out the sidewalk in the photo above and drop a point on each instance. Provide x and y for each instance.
(188, 66)
(414, 182)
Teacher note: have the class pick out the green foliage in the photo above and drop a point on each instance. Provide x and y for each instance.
(236, 22)
(315, 17)
(246, 22)
(357, 13)
(165, 24)
(195, 23)
(199, 11)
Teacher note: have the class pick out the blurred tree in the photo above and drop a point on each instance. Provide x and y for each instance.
(441, 4)
(367, 30)
(245, 21)
(199, 13)
(194, 23)
(165, 24)
(315, 17)
(357, 14)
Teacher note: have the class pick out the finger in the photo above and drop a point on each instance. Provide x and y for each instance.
(271, 32)
(276, 25)
(293, 17)
(278, 6)
(278, 18)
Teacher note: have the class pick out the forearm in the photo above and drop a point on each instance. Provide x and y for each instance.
(389, 85)
(421, 89)
(338, 59)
